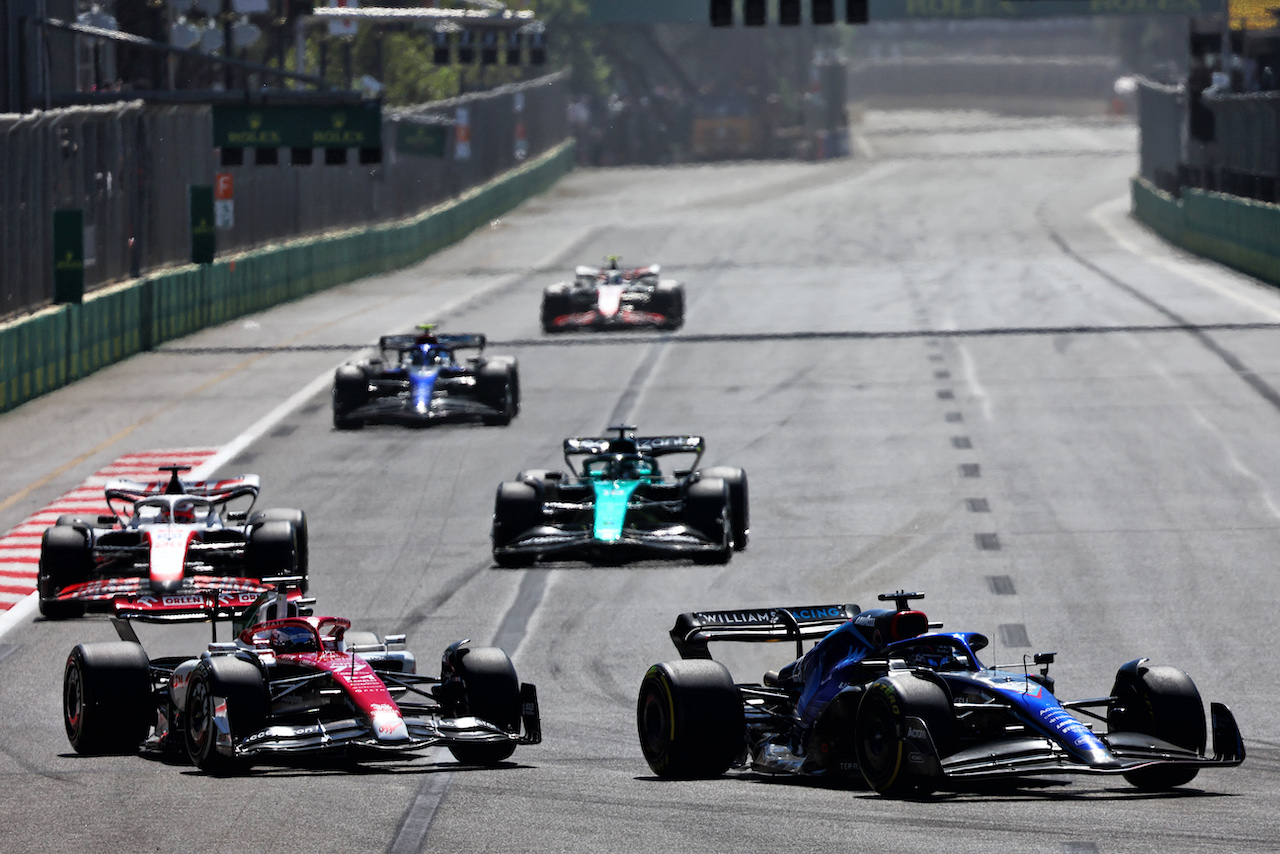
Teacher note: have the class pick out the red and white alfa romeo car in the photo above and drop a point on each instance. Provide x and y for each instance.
(612, 297)
(288, 684)
(169, 536)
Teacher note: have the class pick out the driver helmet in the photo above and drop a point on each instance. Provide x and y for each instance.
(286, 639)
(184, 513)
(633, 469)
(615, 277)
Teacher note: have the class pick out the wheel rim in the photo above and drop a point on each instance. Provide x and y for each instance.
(879, 739)
(199, 717)
(73, 700)
(655, 723)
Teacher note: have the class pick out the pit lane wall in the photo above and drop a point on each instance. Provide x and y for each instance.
(1240, 233)
(61, 344)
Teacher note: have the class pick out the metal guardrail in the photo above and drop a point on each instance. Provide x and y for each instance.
(128, 167)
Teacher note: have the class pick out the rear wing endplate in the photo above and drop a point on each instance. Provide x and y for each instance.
(694, 630)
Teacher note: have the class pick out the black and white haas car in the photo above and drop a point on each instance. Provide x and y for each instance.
(883, 699)
(289, 684)
(419, 379)
(169, 536)
(612, 297)
(619, 506)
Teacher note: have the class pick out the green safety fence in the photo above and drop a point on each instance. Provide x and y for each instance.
(1240, 233)
(48, 349)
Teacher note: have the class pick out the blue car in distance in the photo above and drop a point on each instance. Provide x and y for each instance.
(420, 379)
(617, 506)
(885, 698)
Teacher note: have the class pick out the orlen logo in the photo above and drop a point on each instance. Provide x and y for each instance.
(181, 601)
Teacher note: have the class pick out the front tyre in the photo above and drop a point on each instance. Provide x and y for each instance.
(889, 763)
(106, 698)
(689, 718)
(490, 692)
(226, 701)
(1163, 702)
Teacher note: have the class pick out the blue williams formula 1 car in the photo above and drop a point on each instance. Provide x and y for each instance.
(618, 506)
(882, 698)
(419, 380)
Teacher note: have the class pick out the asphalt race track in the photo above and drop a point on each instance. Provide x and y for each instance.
(974, 376)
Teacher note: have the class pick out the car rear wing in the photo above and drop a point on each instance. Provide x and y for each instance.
(464, 341)
(654, 446)
(219, 491)
(694, 630)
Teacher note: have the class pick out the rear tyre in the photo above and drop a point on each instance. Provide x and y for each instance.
(490, 692)
(689, 718)
(739, 509)
(884, 757)
(670, 303)
(354, 639)
(65, 559)
(516, 509)
(350, 392)
(106, 698)
(496, 385)
(238, 683)
(272, 551)
(707, 511)
(1160, 701)
(545, 488)
(298, 519)
(555, 303)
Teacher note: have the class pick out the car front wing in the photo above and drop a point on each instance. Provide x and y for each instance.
(673, 542)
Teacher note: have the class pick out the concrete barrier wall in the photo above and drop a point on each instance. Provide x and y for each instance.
(1240, 233)
(61, 344)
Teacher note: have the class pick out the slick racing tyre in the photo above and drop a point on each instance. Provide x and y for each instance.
(707, 510)
(1160, 701)
(739, 509)
(555, 303)
(513, 379)
(496, 386)
(689, 718)
(106, 698)
(272, 551)
(238, 683)
(546, 488)
(350, 392)
(890, 764)
(668, 300)
(298, 519)
(516, 509)
(490, 692)
(65, 559)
